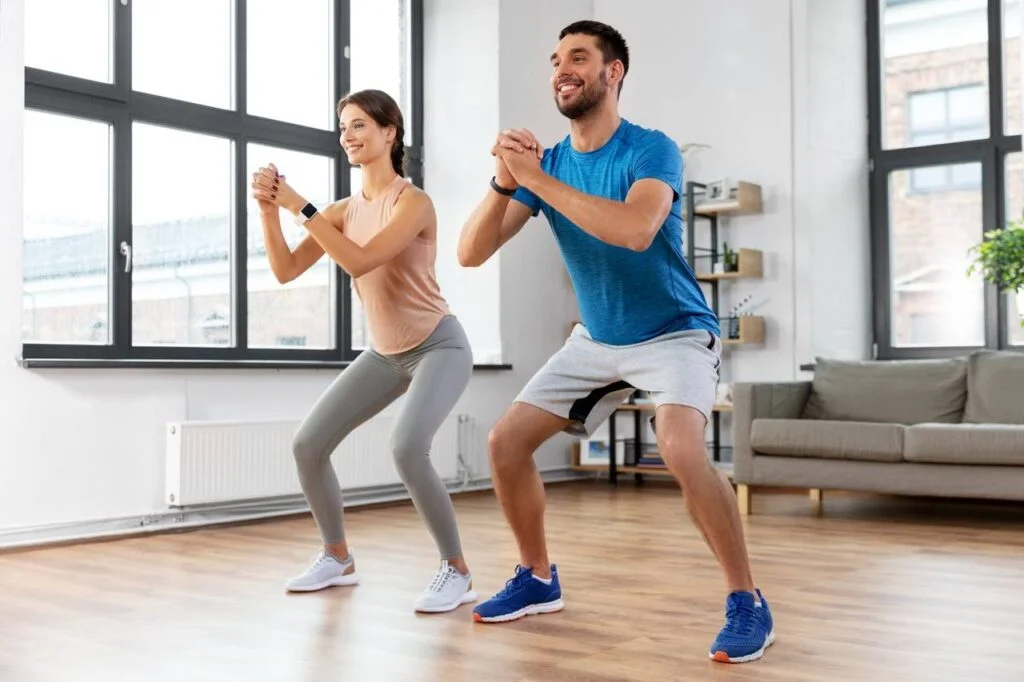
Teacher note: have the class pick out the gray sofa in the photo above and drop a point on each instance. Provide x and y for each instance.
(946, 428)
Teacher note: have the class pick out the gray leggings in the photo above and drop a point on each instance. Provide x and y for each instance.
(433, 376)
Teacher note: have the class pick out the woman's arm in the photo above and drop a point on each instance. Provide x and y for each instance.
(286, 264)
(412, 212)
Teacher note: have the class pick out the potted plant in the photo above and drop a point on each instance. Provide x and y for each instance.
(729, 258)
(1000, 260)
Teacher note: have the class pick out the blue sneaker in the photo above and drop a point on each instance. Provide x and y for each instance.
(748, 630)
(523, 595)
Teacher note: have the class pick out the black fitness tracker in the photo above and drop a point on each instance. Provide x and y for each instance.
(499, 189)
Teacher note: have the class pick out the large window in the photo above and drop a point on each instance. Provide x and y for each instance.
(945, 119)
(144, 122)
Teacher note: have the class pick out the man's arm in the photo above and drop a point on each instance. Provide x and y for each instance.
(631, 224)
(498, 218)
(495, 220)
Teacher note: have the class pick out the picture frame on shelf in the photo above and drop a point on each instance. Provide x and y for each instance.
(594, 450)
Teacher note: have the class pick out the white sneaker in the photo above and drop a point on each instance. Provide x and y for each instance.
(325, 571)
(447, 591)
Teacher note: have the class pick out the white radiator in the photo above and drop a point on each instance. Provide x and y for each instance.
(218, 462)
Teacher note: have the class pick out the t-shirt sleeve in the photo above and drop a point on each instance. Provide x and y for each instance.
(531, 200)
(660, 158)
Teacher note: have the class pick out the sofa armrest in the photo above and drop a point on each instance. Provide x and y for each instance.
(755, 400)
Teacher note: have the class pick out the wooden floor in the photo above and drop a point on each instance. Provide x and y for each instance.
(870, 589)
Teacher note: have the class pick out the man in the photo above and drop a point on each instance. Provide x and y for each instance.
(611, 192)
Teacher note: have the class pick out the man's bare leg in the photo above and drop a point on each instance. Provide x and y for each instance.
(708, 495)
(535, 587)
(517, 483)
(713, 506)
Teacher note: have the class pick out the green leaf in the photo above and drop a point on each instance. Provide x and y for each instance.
(1000, 257)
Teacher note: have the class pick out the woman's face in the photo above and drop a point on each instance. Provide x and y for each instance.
(361, 137)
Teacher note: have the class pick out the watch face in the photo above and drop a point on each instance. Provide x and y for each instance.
(309, 210)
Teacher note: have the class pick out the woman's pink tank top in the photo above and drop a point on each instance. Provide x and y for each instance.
(402, 299)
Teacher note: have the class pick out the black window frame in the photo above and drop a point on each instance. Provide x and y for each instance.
(117, 104)
(990, 152)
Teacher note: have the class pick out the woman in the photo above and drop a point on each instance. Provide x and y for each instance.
(386, 239)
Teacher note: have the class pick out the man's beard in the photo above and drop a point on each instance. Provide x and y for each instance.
(589, 98)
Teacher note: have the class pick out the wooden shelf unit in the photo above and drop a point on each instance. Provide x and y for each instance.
(751, 331)
(749, 265)
(745, 199)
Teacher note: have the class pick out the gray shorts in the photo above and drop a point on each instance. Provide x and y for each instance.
(586, 380)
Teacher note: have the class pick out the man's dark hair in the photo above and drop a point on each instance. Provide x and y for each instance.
(609, 41)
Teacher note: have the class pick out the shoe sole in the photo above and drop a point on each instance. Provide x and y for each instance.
(723, 657)
(531, 610)
(466, 598)
(338, 581)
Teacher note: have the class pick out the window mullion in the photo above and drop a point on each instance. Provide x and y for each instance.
(342, 181)
(123, 49)
(122, 244)
(995, 68)
(239, 250)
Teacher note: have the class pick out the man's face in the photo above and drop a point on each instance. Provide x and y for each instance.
(579, 76)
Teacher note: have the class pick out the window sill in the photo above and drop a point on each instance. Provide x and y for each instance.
(94, 363)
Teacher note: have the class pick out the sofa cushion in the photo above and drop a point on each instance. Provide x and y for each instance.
(996, 444)
(892, 391)
(827, 439)
(995, 388)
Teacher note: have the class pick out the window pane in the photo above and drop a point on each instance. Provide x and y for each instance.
(289, 61)
(933, 47)
(1014, 213)
(301, 312)
(933, 301)
(73, 37)
(929, 179)
(203, 72)
(927, 109)
(181, 233)
(967, 106)
(1011, 66)
(67, 228)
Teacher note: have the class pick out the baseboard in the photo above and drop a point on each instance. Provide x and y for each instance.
(217, 515)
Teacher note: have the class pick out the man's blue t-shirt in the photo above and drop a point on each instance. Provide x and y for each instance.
(626, 296)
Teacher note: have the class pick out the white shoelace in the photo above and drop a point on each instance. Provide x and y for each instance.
(318, 561)
(321, 559)
(441, 578)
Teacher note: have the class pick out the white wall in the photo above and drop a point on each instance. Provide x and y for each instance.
(833, 248)
(84, 445)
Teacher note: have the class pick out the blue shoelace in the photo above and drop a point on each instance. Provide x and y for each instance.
(741, 619)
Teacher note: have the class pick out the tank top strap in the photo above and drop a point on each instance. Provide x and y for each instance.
(398, 185)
